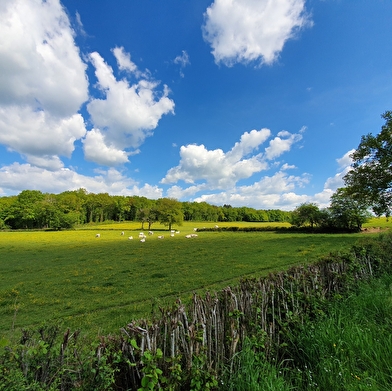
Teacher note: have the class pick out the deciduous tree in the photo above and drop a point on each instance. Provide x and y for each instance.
(169, 212)
(370, 180)
(347, 212)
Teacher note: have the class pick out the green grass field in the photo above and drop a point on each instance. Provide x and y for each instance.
(101, 284)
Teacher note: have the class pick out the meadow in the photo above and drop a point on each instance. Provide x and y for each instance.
(100, 284)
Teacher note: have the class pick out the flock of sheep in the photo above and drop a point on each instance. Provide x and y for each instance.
(142, 236)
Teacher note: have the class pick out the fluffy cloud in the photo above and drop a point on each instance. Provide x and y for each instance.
(281, 143)
(249, 30)
(42, 82)
(39, 134)
(128, 114)
(271, 192)
(17, 177)
(220, 170)
(96, 150)
(40, 65)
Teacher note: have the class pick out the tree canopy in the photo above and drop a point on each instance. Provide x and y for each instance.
(370, 180)
(346, 212)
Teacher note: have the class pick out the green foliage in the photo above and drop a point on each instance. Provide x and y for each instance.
(174, 377)
(250, 371)
(202, 378)
(306, 214)
(351, 347)
(32, 209)
(370, 180)
(152, 374)
(169, 212)
(347, 212)
(45, 359)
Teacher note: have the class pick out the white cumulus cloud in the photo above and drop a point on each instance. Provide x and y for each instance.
(129, 112)
(252, 30)
(40, 64)
(271, 192)
(222, 170)
(38, 133)
(17, 177)
(96, 150)
(42, 82)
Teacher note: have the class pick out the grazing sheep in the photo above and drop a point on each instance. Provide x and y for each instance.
(216, 227)
(188, 236)
(122, 233)
(160, 237)
(150, 233)
(195, 229)
(130, 238)
(143, 240)
(172, 235)
(98, 235)
(194, 235)
(142, 236)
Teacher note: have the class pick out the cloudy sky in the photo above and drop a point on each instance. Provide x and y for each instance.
(241, 102)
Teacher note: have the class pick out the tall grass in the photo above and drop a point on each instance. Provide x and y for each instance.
(349, 348)
(249, 371)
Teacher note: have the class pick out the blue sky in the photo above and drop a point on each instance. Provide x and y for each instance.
(248, 103)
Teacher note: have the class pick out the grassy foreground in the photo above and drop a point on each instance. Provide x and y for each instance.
(349, 348)
(101, 284)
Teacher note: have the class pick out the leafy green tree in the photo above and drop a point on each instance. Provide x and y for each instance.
(121, 208)
(370, 180)
(72, 205)
(48, 214)
(135, 204)
(26, 211)
(147, 215)
(306, 214)
(347, 212)
(7, 211)
(169, 212)
(229, 213)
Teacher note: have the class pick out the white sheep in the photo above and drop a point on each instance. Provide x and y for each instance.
(216, 227)
(98, 235)
(172, 235)
(177, 232)
(188, 236)
(194, 235)
(160, 237)
(195, 229)
(142, 235)
(122, 233)
(143, 240)
(130, 238)
(150, 233)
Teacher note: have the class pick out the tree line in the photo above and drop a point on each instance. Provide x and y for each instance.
(32, 209)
